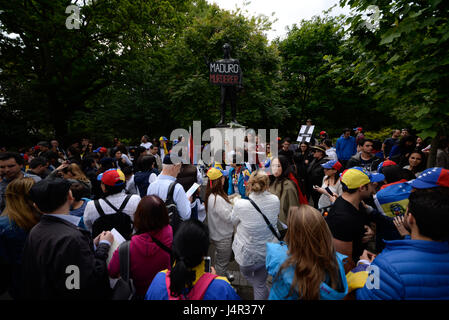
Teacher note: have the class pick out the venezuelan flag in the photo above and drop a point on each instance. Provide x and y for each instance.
(218, 165)
(356, 278)
(392, 201)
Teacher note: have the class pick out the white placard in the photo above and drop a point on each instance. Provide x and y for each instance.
(305, 133)
(118, 239)
(192, 190)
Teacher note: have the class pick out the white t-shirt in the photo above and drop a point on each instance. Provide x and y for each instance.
(337, 188)
(219, 218)
(91, 214)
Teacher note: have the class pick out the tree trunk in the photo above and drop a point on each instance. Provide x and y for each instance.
(59, 119)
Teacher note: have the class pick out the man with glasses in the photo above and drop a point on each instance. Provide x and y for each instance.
(365, 157)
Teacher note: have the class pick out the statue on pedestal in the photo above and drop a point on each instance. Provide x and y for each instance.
(226, 72)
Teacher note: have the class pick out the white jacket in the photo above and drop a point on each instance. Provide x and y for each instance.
(252, 232)
(219, 218)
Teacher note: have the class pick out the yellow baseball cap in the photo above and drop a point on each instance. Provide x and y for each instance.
(356, 177)
(215, 173)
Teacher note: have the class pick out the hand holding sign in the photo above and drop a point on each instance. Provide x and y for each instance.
(305, 134)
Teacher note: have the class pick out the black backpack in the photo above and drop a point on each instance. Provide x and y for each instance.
(175, 219)
(119, 220)
(124, 288)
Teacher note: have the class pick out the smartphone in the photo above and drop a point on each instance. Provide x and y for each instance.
(207, 264)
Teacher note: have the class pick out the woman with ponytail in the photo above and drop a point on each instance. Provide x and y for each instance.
(188, 278)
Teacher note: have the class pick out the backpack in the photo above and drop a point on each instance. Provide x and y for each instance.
(142, 181)
(124, 288)
(119, 220)
(198, 290)
(175, 219)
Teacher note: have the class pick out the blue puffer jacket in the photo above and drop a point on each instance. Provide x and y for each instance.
(276, 255)
(346, 148)
(410, 269)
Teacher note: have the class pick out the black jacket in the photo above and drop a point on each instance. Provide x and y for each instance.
(52, 246)
(315, 172)
(300, 162)
(356, 161)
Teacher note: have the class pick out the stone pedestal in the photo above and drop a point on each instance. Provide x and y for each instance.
(231, 138)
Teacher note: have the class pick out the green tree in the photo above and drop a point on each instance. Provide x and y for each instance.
(403, 62)
(49, 72)
(315, 84)
(192, 97)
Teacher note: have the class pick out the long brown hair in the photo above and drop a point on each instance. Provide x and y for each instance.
(77, 173)
(311, 252)
(215, 187)
(19, 207)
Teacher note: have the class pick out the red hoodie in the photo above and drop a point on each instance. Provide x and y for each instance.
(146, 258)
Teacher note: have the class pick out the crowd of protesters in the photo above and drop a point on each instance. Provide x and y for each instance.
(315, 217)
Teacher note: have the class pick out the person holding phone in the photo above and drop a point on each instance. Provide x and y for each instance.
(331, 187)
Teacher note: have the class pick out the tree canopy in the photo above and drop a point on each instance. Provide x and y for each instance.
(137, 67)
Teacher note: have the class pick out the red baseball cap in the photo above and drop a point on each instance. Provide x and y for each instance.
(112, 177)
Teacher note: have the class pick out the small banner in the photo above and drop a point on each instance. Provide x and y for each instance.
(224, 73)
(305, 134)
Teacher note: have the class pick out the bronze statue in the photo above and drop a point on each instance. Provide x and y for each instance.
(229, 77)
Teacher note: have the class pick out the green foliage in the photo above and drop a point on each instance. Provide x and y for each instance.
(316, 82)
(404, 63)
(139, 67)
(380, 135)
(49, 72)
(190, 95)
